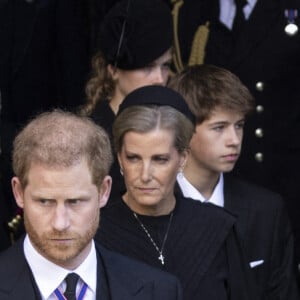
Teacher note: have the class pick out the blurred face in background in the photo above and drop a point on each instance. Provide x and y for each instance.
(156, 73)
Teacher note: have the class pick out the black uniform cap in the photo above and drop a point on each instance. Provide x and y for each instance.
(157, 95)
(136, 32)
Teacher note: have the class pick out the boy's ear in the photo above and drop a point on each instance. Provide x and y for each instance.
(18, 191)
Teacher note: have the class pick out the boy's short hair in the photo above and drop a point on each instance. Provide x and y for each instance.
(207, 87)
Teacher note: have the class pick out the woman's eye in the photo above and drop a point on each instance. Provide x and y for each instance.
(131, 157)
(149, 68)
(166, 66)
(161, 159)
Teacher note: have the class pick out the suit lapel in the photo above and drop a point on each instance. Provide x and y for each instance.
(25, 14)
(25, 288)
(209, 239)
(262, 19)
(19, 282)
(234, 205)
(123, 285)
(121, 289)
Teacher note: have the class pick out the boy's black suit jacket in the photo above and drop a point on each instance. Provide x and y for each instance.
(266, 237)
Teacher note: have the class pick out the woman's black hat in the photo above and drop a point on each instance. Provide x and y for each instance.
(157, 95)
(136, 32)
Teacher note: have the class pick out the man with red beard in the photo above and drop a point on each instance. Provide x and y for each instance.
(61, 163)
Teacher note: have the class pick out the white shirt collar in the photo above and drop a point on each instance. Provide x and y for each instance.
(42, 267)
(189, 191)
(227, 11)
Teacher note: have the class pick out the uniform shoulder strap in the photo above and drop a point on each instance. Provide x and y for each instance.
(197, 53)
(177, 53)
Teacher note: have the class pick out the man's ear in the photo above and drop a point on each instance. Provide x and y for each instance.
(104, 191)
(18, 191)
(120, 163)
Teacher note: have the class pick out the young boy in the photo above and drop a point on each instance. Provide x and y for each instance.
(221, 103)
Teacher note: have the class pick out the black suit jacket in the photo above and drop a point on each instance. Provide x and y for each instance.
(265, 235)
(127, 279)
(262, 53)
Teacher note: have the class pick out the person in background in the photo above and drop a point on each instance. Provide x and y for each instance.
(195, 242)
(135, 49)
(221, 104)
(97, 10)
(259, 41)
(43, 65)
(61, 183)
(135, 41)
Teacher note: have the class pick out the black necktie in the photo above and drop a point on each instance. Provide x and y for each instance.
(71, 281)
(239, 19)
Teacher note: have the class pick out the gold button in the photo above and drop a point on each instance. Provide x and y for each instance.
(259, 133)
(259, 109)
(15, 222)
(259, 157)
(259, 86)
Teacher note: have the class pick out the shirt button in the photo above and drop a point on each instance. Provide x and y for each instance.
(259, 157)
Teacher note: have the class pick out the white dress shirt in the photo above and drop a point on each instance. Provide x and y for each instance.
(49, 276)
(189, 191)
(228, 8)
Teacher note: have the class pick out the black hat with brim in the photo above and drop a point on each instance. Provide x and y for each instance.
(134, 33)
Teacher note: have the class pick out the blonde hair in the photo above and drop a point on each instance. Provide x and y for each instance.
(100, 86)
(144, 118)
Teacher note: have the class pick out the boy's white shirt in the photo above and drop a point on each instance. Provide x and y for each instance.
(189, 191)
